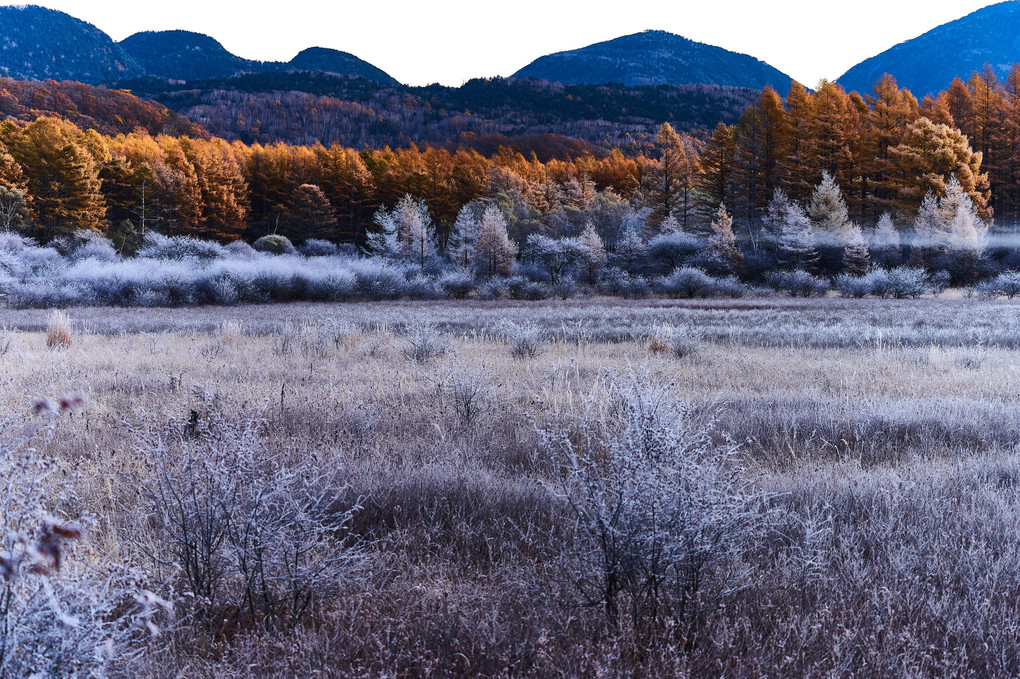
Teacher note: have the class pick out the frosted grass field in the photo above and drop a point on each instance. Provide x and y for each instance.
(856, 510)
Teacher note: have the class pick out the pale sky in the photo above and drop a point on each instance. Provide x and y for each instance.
(450, 41)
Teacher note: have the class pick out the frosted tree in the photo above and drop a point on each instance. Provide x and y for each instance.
(967, 233)
(856, 257)
(463, 236)
(885, 242)
(929, 223)
(415, 231)
(630, 246)
(577, 192)
(383, 241)
(843, 241)
(593, 257)
(670, 225)
(789, 227)
(967, 239)
(797, 245)
(405, 233)
(15, 214)
(493, 252)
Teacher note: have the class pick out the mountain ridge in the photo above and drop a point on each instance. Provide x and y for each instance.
(928, 63)
(655, 58)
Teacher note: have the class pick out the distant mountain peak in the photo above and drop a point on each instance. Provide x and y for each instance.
(40, 43)
(655, 57)
(37, 43)
(929, 62)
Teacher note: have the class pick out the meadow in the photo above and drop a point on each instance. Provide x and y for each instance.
(778, 487)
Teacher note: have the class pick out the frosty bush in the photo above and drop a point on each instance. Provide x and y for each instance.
(457, 284)
(525, 339)
(424, 342)
(797, 283)
(494, 288)
(520, 287)
(675, 341)
(315, 247)
(1004, 285)
(157, 246)
(656, 503)
(899, 283)
(253, 535)
(854, 286)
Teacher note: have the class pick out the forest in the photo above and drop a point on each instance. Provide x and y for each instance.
(823, 184)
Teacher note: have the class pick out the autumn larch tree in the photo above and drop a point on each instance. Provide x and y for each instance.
(671, 184)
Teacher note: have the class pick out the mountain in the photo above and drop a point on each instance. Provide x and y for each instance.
(322, 60)
(655, 58)
(183, 55)
(928, 64)
(38, 43)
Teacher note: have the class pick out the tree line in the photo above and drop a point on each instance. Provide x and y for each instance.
(885, 154)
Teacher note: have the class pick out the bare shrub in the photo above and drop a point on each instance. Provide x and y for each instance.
(655, 501)
(525, 339)
(467, 392)
(424, 342)
(58, 330)
(254, 536)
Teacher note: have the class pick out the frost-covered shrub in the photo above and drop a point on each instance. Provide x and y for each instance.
(240, 249)
(679, 342)
(524, 288)
(316, 247)
(423, 287)
(457, 284)
(854, 286)
(669, 251)
(494, 288)
(424, 342)
(565, 288)
(334, 285)
(13, 243)
(85, 245)
(251, 535)
(684, 283)
(1006, 284)
(525, 339)
(158, 246)
(274, 244)
(657, 502)
(899, 283)
(939, 281)
(376, 279)
(797, 283)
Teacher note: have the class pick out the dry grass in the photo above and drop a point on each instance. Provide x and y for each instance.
(58, 330)
(884, 433)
